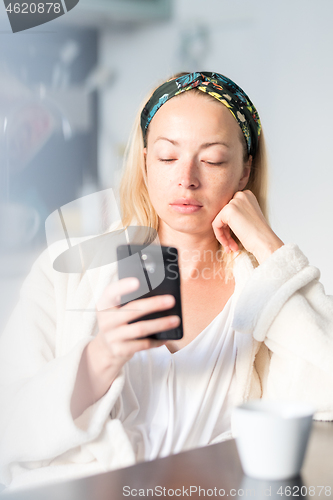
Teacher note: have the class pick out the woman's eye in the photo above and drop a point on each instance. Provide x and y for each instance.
(214, 163)
(168, 160)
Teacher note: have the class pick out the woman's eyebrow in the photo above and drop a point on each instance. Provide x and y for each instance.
(218, 143)
(203, 146)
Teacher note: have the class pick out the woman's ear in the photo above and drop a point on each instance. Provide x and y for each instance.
(246, 174)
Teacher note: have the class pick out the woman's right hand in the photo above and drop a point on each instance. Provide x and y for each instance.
(117, 341)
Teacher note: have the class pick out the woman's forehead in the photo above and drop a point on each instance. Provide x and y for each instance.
(191, 115)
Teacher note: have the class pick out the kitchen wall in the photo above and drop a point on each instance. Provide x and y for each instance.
(281, 54)
(48, 140)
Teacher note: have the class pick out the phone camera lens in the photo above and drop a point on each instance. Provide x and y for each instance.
(149, 263)
(150, 268)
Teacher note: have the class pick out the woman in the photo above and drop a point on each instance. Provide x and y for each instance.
(86, 392)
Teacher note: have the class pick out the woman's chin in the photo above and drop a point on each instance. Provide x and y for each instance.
(188, 225)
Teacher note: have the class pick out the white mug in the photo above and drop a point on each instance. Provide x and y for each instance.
(271, 437)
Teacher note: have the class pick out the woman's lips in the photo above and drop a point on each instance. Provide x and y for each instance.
(186, 209)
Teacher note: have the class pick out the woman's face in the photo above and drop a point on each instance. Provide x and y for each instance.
(195, 152)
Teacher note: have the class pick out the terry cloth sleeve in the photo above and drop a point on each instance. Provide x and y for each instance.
(36, 425)
(285, 306)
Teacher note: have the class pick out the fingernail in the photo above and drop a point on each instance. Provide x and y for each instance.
(169, 300)
(134, 283)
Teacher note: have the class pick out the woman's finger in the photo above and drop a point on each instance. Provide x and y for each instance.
(224, 237)
(135, 310)
(143, 328)
(231, 243)
(111, 296)
(125, 350)
(221, 234)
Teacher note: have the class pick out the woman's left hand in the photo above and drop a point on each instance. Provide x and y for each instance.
(243, 216)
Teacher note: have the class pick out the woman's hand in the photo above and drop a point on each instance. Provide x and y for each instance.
(243, 216)
(117, 341)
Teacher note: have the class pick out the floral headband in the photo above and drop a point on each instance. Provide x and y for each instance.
(222, 88)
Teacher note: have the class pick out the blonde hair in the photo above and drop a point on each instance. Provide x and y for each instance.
(135, 203)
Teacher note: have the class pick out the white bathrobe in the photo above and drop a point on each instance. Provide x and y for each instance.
(283, 324)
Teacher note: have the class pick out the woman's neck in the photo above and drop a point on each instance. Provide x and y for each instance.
(199, 255)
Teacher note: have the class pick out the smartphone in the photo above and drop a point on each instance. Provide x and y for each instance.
(156, 268)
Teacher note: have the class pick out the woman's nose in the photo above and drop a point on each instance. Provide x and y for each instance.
(188, 174)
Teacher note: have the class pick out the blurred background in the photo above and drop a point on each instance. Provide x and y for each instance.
(70, 89)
